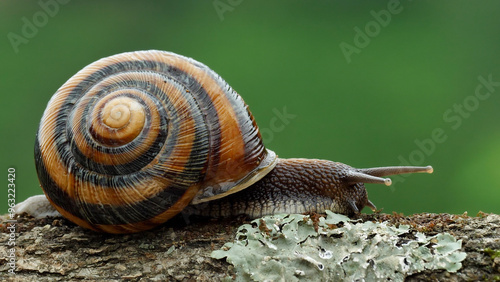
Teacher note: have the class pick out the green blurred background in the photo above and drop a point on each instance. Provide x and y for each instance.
(407, 78)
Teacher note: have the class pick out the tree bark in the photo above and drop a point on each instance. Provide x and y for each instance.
(53, 249)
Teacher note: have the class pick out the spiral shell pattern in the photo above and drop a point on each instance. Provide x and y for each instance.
(131, 139)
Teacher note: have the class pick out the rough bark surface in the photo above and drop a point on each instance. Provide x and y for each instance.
(54, 249)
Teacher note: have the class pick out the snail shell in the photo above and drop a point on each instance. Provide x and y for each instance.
(131, 139)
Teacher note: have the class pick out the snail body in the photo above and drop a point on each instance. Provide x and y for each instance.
(131, 140)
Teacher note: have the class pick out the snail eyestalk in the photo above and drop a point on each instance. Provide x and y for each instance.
(374, 175)
(393, 170)
(356, 177)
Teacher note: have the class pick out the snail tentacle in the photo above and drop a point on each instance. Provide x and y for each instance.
(393, 170)
(354, 176)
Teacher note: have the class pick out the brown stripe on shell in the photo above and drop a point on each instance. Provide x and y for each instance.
(235, 160)
(135, 226)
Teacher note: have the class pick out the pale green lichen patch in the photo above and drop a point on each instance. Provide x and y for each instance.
(287, 247)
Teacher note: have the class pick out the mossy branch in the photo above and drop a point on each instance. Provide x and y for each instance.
(55, 249)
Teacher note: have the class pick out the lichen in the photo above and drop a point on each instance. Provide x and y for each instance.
(288, 248)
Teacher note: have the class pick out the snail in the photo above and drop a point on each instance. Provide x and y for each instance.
(133, 139)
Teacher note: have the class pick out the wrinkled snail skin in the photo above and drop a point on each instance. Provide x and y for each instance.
(302, 186)
(293, 186)
(132, 139)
